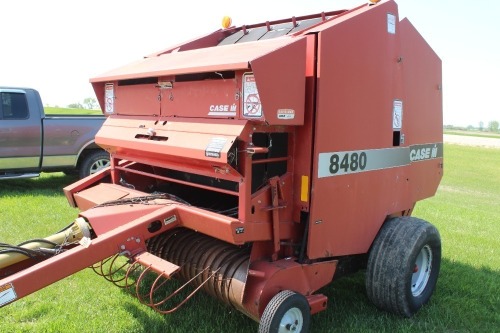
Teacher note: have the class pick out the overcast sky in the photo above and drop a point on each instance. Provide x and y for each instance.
(57, 46)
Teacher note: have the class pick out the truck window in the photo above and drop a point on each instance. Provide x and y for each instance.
(14, 106)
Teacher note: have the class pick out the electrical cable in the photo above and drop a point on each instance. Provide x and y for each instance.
(33, 254)
(30, 253)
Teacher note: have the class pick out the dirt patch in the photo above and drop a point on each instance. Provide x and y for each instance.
(472, 141)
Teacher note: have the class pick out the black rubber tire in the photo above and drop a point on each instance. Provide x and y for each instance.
(392, 263)
(93, 162)
(278, 307)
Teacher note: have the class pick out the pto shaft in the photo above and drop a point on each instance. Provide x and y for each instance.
(71, 235)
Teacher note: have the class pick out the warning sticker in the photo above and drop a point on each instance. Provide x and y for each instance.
(109, 98)
(7, 294)
(397, 114)
(215, 147)
(251, 100)
(285, 114)
(391, 23)
(170, 220)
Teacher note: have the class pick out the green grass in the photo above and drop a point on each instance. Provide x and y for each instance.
(49, 110)
(467, 298)
(473, 133)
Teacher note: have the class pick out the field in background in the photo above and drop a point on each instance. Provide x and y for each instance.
(467, 298)
(49, 110)
(473, 133)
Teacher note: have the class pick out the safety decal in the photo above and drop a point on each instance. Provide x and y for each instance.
(347, 162)
(109, 98)
(215, 147)
(397, 114)
(391, 23)
(286, 114)
(251, 100)
(170, 220)
(7, 294)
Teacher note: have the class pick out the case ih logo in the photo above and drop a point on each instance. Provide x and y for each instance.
(222, 110)
(422, 152)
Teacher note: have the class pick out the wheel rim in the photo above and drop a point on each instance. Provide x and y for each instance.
(98, 165)
(421, 271)
(292, 321)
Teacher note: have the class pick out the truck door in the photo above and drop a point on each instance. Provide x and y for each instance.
(20, 131)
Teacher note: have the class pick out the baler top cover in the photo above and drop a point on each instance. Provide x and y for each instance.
(212, 59)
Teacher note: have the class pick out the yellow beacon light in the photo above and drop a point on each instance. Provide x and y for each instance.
(226, 22)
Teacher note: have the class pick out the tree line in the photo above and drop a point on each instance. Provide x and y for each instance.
(88, 103)
(492, 126)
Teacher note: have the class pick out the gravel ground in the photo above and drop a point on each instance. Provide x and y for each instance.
(472, 141)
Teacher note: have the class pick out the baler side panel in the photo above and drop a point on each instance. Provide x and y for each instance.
(424, 109)
(358, 80)
(280, 77)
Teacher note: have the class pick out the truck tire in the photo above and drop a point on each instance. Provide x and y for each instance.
(403, 265)
(93, 162)
(286, 312)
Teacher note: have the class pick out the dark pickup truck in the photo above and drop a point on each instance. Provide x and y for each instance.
(31, 142)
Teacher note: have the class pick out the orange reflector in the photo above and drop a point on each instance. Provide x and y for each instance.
(304, 189)
(226, 22)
